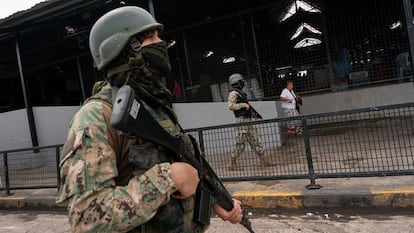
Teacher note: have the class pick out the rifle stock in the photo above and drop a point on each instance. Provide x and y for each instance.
(129, 116)
(256, 114)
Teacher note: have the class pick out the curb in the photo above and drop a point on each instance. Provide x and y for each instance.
(402, 197)
(29, 202)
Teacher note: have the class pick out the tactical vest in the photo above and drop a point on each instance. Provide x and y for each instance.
(177, 215)
(243, 112)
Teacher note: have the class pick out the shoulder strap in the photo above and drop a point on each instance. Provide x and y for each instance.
(293, 94)
(173, 116)
(240, 95)
(99, 100)
(102, 96)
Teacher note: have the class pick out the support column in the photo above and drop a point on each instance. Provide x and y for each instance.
(151, 7)
(410, 29)
(256, 50)
(181, 72)
(328, 53)
(187, 63)
(244, 46)
(27, 103)
(81, 79)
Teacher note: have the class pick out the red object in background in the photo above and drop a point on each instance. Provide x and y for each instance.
(177, 88)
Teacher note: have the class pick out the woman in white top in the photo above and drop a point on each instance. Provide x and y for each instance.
(289, 100)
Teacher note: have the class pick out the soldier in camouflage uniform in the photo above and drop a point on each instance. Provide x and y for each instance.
(239, 104)
(112, 183)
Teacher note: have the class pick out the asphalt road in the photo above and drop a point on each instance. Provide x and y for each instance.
(335, 221)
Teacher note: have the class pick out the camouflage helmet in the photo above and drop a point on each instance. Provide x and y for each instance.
(234, 78)
(112, 31)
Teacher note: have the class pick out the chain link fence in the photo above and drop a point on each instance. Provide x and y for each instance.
(30, 168)
(320, 45)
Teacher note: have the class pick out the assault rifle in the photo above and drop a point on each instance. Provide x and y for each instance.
(255, 114)
(130, 116)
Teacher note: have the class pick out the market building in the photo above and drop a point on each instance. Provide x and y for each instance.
(341, 55)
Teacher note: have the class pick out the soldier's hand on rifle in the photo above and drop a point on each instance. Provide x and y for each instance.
(258, 117)
(185, 178)
(247, 106)
(234, 216)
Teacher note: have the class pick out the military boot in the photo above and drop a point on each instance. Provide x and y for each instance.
(234, 166)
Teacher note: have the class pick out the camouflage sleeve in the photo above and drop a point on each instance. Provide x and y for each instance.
(121, 209)
(232, 101)
(88, 170)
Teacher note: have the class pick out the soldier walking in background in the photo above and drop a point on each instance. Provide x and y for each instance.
(243, 112)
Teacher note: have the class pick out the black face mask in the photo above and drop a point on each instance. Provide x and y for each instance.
(156, 56)
(241, 84)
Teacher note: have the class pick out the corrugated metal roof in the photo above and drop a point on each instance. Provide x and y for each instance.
(43, 11)
(21, 12)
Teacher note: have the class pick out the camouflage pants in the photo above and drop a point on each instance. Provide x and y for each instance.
(290, 113)
(175, 217)
(246, 134)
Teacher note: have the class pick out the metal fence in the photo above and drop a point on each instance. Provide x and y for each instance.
(364, 142)
(30, 168)
(375, 141)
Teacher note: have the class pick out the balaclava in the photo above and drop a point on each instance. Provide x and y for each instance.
(142, 69)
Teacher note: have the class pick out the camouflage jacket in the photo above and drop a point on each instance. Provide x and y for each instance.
(114, 184)
(233, 103)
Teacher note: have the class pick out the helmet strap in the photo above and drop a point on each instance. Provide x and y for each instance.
(240, 84)
(135, 44)
(136, 62)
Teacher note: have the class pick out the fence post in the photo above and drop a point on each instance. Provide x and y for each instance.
(57, 167)
(6, 174)
(311, 170)
(201, 140)
(408, 8)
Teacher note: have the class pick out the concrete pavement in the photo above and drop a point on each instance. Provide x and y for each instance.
(393, 192)
(324, 221)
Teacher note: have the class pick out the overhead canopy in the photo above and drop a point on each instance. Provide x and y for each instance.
(57, 30)
(172, 13)
(46, 12)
